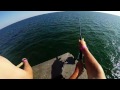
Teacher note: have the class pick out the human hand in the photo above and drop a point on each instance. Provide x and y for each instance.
(82, 44)
(10, 71)
(78, 70)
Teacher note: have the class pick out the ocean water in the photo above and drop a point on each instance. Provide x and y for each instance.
(43, 37)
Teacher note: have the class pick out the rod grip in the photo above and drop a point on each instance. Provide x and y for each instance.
(80, 55)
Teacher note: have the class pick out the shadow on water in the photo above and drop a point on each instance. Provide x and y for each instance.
(57, 66)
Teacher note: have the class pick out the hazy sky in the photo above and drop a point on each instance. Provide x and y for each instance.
(9, 17)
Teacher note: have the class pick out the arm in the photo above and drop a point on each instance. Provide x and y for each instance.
(94, 69)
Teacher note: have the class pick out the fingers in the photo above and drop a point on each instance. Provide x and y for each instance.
(79, 65)
(27, 66)
(79, 68)
(81, 40)
(82, 43)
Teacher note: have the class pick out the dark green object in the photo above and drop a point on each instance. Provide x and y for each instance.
(80, 56)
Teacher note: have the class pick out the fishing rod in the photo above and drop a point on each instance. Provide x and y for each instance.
(80, 55)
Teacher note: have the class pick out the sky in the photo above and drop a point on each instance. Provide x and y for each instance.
(9, 17)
